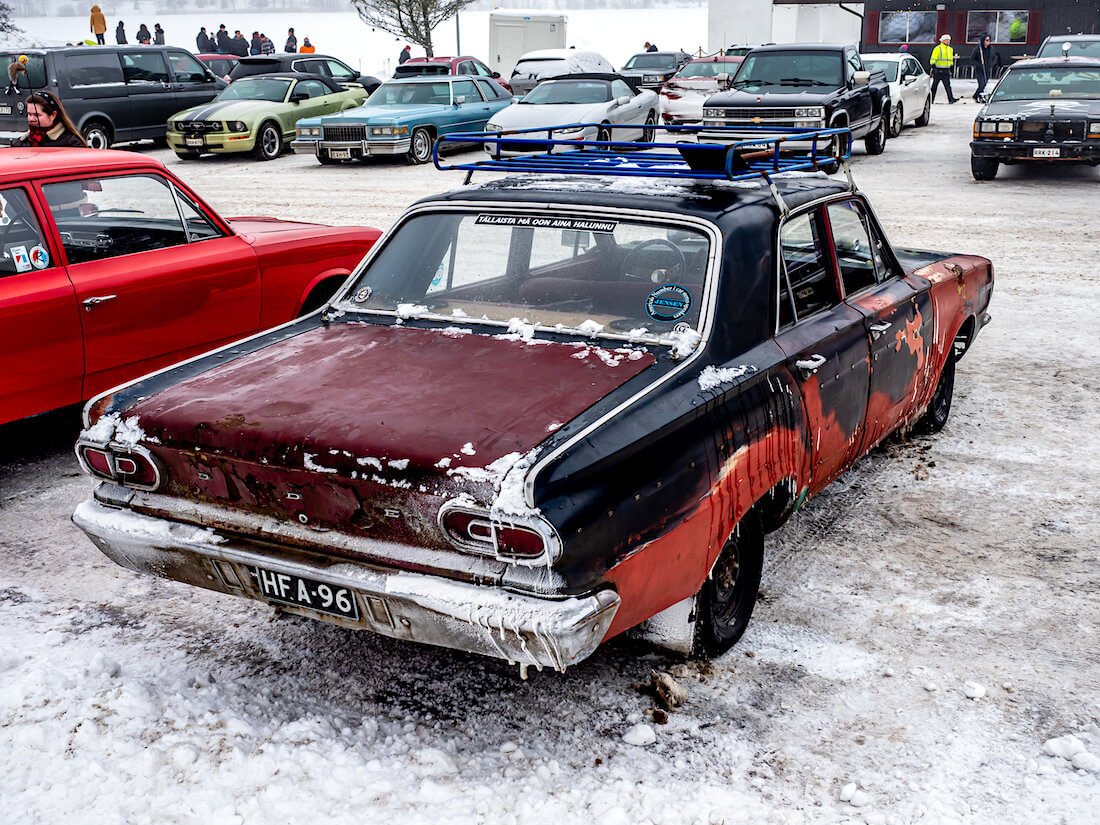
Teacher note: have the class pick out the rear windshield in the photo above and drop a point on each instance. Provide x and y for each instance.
(548, 270)
(423, 68)
(790, 72)
(651, 61)
(709, 68)
(34, 77)
(1049, 83)
(887, 67)
(1077, 48)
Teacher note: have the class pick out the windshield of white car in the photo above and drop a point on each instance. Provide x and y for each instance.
(544, 269)
(410, 94)
(272, 89)
(709, 68)
(887, 67)
(788, 72)
(569, 91)
(1048, 83)
(651, 61)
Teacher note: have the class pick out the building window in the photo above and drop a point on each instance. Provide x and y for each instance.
(907, 27)
(1003, 26)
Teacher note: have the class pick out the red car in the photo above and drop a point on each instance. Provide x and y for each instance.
(112, 268)
(416, 66)
(219, 64)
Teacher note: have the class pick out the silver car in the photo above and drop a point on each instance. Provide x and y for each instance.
(910, 88)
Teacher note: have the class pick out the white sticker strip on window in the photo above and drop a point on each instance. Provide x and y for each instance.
(582, 224)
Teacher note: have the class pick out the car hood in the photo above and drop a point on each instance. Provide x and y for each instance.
(696, 84)
(799, 96)
(230, 110)
(532, 116)
(1041, 109)
(376, 114)
(394, 400)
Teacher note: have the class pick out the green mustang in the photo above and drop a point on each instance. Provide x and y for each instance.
(257, 114)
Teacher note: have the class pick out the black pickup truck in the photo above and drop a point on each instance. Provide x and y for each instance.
(811, 85)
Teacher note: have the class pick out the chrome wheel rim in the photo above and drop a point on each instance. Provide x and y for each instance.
(270, 142)
(421, 147)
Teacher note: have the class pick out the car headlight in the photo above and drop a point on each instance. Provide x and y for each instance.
(237, 126)
(712, 113)
(492, 127)
(652, 78)
(308, 131)
(1094, 128)
(388, 131)
(572, 130)
(810, 112)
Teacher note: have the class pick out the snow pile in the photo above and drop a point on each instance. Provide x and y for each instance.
(113, 428)
(713, 377)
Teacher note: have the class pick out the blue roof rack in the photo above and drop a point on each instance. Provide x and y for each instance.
(690, 152)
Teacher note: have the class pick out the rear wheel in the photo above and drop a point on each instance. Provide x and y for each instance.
(926, 115)
(875, 142)
(939, 408)
(897, 121)
(97, 135)
(983, 168)
(420, 147)
(726, 600)
(269, 142)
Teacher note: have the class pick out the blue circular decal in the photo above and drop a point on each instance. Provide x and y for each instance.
(668, 303)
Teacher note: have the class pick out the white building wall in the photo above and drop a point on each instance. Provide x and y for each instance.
(731, 22)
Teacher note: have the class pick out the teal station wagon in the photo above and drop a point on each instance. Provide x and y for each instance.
(403, 117)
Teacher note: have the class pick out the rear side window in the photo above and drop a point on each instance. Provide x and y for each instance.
(144, 67)
(92, 69)
(22, 248)
(338, 70)
(491, 91)
(34, 77)
(186, 68)
(807, 286)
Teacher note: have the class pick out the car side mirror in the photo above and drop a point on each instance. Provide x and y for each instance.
(495, 75)
(298, 97)
(517, 98)
(622, 100)
(861, 78)
(722, 78)
(908, 78)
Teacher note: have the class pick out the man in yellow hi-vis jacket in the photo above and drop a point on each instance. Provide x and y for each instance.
(943, 60)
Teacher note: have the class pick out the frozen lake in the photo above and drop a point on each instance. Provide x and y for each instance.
(615, 33)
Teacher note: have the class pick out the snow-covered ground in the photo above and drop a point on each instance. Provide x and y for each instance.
(926, 642)
(615, 33)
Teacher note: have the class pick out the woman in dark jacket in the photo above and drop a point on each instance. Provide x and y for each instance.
(120, 34)
(143, 35)
(986, 63)
(49, 125)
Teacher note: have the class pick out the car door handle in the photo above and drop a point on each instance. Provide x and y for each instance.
(878, 329)
(810, 365)
(97, 299)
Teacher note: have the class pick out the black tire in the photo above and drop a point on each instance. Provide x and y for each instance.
(269, 142)
(160, 142)
(983, 168)
(926, 115)
(603, 133)
(726, 600)
(836, 149)
(939, 408)
(420, 147)
(648, 132)
(875, 142)
(187, 155)
(897, 120)
(97, 135)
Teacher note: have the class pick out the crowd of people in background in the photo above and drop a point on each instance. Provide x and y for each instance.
(220, 43)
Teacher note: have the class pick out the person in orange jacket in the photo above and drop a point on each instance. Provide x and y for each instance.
(307, 47)
(98, 24)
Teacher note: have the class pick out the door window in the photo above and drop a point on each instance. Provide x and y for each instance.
(487, 90)
(465, 67)
(859, 263)
(481, 68)
(21, 243)
(313, 88)
(100, 218)
(468, 89)
(854, 64)
(807, 286)
(92, 69)
(144, 67)
(186, 68)
(339, 71)
(619, 88)
(199, 227)
(310, 67)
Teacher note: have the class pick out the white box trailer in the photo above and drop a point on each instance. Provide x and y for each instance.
(514, 33)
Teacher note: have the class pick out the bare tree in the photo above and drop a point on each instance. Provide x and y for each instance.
(411, 19)
(6, 26)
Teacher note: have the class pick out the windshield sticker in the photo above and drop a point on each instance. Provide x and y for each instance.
(40, 258)
(668, 303)
(20, 259)
(582, 224)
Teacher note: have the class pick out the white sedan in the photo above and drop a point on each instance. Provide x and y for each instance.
(601, 101)
(910, 88)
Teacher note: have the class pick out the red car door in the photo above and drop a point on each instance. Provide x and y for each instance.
(41, 351)
(897, 313)
(157, 280)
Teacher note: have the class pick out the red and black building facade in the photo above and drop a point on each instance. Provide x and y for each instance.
(1017, 28)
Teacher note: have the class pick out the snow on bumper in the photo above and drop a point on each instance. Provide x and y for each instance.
(415, 607)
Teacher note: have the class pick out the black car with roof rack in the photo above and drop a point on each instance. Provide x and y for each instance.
(580, 398)
(112, 94)
(1045, 110)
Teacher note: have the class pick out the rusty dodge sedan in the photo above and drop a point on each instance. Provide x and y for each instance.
(545, 410)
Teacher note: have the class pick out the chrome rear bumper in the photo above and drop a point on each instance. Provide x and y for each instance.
(477, 618)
